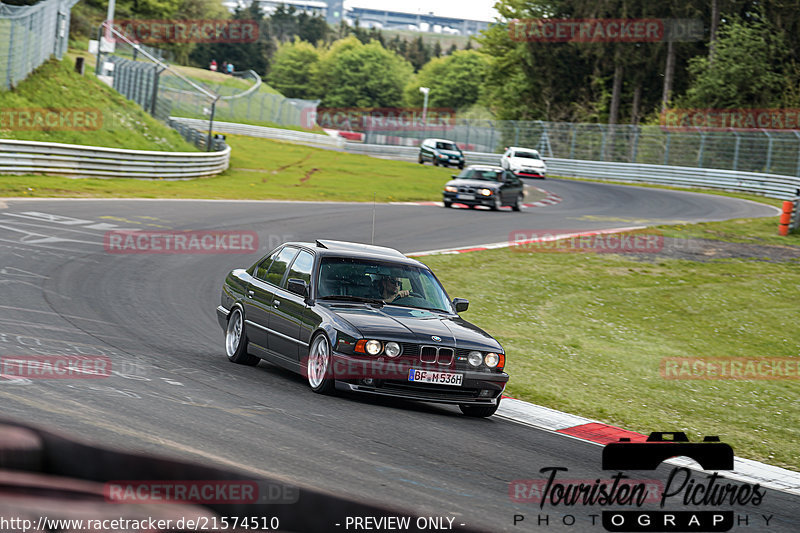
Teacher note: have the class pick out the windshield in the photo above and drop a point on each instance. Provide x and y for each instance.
(381, 282)
(480, 174)
(526, 155)
(446, 146)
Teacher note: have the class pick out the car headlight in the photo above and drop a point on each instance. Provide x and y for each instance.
(491, 359)
(373, 347)
(486, 192)
(392, 349)
(450, 188)
(475, 358)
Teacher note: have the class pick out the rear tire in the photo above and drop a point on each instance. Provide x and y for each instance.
(517, 203)
(236, 340)
(479, 411)
(435, 162)
(461, 165)
(448, 204)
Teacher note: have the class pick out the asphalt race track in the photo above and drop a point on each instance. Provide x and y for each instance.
(174, 393)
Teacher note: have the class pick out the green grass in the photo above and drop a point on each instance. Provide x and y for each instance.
(56, 86)
(586, 333)
(264, 169)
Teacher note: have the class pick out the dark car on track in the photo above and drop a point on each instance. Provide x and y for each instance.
(361, 318)
(486, 185)
(441, 152)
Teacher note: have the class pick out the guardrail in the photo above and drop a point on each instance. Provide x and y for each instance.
(771, 185)
(35, 157)
(300, 137)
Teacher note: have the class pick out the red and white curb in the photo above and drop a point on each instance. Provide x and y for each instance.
(584, 429)
(509, 243)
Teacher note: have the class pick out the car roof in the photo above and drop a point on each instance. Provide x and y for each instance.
(515, 148)
(440, 140)
(327, 247)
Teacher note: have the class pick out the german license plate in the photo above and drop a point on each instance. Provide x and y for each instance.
(438, 378)
(465, 196)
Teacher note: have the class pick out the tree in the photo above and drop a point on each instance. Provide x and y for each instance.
(747, 68)
(455, 80)
(352, 74)
(292, 70)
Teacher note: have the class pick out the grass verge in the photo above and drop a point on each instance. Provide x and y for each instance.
(119, 122)
(264, 169)
(586, 334)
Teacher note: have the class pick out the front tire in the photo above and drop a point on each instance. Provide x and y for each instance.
(479, 411)
(498, 203)
(448, 204)
(236, 340)
(420, 160)
(319, 366)
(435, 161)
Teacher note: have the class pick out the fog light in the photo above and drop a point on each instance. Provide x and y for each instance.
(392, 349)
(369, 382)
(485, 393)
(491, 360)
(475, 358)
(373, 347)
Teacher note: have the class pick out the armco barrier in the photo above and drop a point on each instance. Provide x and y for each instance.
(232, 128)
(34, 157)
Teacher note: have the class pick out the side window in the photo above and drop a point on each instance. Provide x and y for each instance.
(278, 267)
(301, 268)
(263, 266)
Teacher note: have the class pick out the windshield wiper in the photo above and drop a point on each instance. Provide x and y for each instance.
(420, 307)
(350, 298)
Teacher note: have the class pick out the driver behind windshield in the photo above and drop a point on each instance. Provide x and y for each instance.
(388, 288)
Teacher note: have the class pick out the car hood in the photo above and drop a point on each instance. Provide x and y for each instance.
(406, 324)
(449, 153)
(475, 183)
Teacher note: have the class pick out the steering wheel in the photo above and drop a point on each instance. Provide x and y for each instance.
(412, 294)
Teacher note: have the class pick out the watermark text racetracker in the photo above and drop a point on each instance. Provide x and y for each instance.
(566, 240)
(140, 525)
(189, 31)
(597, 30)
(55, 366)
(737, 368)
(181, 242)
(54, 119)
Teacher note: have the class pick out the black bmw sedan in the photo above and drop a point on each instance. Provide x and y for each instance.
(361, 318)
(485, 185)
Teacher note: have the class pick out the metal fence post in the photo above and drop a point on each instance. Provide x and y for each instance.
(769, 151)
(9, 77)
(572, 142)
(635, 143)
(603, 141)
(701, 150)
(666, 149)
(736, 150)
(516, 133)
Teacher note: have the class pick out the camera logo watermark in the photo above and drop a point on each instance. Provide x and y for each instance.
(739, 368)
(594, 30)
(726, 119)
(40, 119)
(215, 491)
(555, 240)
(180, 242)
(189, 31)
(55, 366)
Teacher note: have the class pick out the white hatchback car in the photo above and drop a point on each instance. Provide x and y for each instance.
(524, 162)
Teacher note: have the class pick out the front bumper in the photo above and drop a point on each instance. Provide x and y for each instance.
(451, 197)
(374, 377)
(530, 173)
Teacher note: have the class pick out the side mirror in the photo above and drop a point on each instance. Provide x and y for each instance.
(297, 286)
(461, 304)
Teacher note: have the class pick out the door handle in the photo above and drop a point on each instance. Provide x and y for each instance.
(276, 303)
(250, 293)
